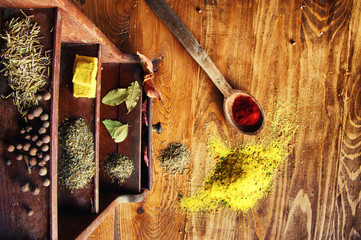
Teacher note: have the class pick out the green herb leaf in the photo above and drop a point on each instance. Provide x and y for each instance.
(115, 97)
(111, 125)
(133, 96)
(117, 130)
(121, 133)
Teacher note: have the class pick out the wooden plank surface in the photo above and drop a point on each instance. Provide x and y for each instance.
(304, 53)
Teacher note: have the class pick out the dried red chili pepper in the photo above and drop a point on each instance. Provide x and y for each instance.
(245, 111)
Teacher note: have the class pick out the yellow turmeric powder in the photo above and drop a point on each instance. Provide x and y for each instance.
(243, 175)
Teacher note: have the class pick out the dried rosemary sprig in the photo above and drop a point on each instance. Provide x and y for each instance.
(26, 67)
(119, 167)
(77, 165)
(174, 158)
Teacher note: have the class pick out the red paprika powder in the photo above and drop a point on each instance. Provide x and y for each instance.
(245, 111)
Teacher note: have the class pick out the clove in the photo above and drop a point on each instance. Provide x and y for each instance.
(33, 152)
(45, 148)
(34, 138)
(42, 163)
(26, 147)
(43, 171)
(38, 97)
(33, 161)
(42, 130)
(25, 187)
(19, 157)
(35, 191)
(37, 111)
(47, 96)
(28, 128)
(30, 116)
(46, 182)
(46, 157)
(44, 117)
(11, 148)
(46, 124)
(46, 139)
(39, 143)
(30, 212)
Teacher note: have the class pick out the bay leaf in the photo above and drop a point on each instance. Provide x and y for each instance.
(117, 130)
(150, 88)
(147, 65)
(133, 96)
(148, 76)
(115, 97)
(121, 133)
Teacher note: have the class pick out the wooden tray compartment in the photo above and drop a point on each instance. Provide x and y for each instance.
(120, 76)
(58, 212)
(15, 224)
(75, 204)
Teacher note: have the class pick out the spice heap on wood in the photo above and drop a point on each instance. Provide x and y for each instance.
(77, 164)
(26, 65)
(119, 167)
(243, 175)
(174, 158)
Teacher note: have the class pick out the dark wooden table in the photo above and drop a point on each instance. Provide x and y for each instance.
(304, 53)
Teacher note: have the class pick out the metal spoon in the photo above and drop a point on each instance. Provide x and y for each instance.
(181, 32)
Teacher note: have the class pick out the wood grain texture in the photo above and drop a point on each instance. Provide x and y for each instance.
(305, 53)
(77, 28)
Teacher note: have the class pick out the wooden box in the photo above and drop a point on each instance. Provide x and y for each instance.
(58, 212)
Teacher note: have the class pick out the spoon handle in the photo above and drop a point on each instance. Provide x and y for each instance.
(181, 32)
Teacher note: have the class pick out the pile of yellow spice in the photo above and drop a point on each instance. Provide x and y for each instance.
(244, 174)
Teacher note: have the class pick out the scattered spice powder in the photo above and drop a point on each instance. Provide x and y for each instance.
(243, 175)
(119, 167)
(245, 111)
(77, 165)
(174, 158)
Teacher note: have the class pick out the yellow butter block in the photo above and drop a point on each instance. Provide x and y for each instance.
(84, 91)
(80, 58)
(84, 78)
(84, 74)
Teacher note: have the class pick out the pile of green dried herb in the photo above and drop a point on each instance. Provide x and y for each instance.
(26, 67)
(77, 165)
(174, 158)
(119, 167)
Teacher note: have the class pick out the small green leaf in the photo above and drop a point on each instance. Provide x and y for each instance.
(121, 133)
(133, 96)
(117, 130)
(115, 97)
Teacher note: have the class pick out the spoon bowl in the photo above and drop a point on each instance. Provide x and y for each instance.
(181, 32)
(227, 108)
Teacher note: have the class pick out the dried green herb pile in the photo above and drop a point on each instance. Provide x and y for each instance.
(174, 158)
(77, 165)
(119, 167)
(26, 65)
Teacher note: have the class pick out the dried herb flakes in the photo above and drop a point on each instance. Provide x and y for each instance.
(77, 165)
(119, 167)
(175, 157)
